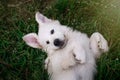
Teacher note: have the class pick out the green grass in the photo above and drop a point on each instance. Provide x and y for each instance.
(20, 62)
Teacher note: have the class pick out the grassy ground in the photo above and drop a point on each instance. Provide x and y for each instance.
(20, 62)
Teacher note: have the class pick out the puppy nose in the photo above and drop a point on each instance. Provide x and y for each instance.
(58, 42)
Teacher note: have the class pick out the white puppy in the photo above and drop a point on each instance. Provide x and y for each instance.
(71, 54)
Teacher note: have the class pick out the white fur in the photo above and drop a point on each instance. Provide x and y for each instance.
(76, 60)
(98, 44)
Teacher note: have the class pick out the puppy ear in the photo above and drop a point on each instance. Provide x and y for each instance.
(41, 18)
(31, 39)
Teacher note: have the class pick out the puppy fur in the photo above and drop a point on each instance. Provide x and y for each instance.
(75, 59)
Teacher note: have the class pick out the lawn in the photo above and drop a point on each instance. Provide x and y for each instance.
(21, 62)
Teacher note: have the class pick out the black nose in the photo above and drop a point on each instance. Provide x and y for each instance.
(58, 42)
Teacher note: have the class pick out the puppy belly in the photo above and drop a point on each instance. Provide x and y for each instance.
(57, 68)
(86, 72)
(78, 72)
(65, 75)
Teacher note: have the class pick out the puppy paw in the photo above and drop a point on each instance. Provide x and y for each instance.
(80, 60)
(98, 44)
(101, 42)
(80, 56)
(46, 63)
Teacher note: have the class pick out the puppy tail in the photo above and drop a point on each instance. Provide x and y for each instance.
(98, 44)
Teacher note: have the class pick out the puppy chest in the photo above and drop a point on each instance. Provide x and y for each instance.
(59, 59)
(55, 63)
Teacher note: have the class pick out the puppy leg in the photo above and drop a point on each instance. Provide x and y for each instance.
(47, 62)
(79, 54)
(98, 44)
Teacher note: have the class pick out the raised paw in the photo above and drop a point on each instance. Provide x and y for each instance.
(101, 42)
(98, 43)
(80, 56)
(80, 59)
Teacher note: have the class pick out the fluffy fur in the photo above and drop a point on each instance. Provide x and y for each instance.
(71, 54)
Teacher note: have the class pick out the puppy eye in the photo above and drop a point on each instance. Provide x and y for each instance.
(47, 42)
(52, 31)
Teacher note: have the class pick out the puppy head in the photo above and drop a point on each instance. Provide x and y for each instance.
(51, 34)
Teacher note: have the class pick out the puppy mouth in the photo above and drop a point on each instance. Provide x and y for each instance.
(63, 43)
